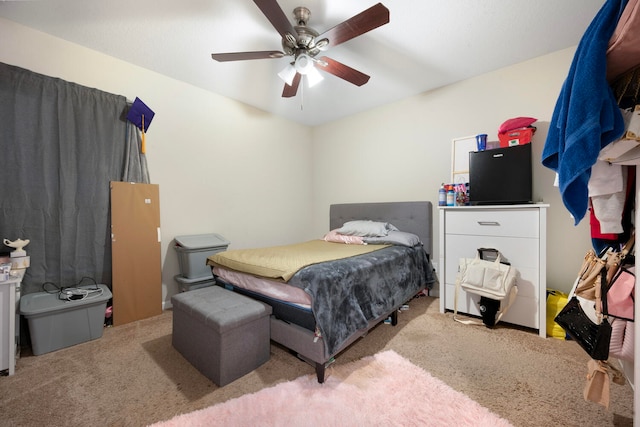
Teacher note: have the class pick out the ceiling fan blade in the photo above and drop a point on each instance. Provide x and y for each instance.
(290, 91)
(338, 69)
(357, 25)
(241, 56)
(272, 10)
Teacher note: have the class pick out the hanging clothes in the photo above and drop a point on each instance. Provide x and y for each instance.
(607, 190)
(624, 46)
(586, 116)
(601, 236)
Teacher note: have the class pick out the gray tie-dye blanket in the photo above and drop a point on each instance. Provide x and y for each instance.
(348, 293)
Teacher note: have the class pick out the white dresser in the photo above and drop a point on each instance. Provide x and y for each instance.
(8, 324)
(519, 233)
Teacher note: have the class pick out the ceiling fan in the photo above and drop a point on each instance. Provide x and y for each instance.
(304, 44)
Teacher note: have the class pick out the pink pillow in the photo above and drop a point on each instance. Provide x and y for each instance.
(334, 237)
(516, 123)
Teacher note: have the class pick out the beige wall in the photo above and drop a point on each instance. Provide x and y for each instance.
(228, 168)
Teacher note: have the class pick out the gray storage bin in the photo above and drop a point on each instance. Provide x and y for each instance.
(186, 284)
(55, 323)
(194, 250)
(223, 334)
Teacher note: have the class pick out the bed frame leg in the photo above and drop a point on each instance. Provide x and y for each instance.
(394, 318)
(320, 372)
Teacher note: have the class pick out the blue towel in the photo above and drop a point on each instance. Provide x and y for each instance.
(586, 116)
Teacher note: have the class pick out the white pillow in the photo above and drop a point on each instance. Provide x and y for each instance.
(366, 228)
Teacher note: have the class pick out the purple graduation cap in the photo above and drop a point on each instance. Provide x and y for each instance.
(140, 115)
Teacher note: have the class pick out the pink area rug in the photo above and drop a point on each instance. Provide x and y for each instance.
(380, 390)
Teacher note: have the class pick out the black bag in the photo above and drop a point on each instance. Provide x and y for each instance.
(593, 338)
(488, 309)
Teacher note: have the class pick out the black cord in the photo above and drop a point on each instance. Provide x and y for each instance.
(65, 296)
(44, 288)
(95, 284)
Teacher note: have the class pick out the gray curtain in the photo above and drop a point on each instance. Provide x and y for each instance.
(60, 145)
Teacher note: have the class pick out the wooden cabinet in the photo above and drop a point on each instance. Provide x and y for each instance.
(519, 233)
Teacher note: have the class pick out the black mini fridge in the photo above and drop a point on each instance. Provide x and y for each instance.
(502, 176)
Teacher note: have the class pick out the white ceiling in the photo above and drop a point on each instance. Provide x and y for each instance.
(427, 43)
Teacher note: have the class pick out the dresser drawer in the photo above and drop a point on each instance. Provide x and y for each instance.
(520, 252)
(489, 222)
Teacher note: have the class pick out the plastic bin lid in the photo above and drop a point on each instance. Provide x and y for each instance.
(187, 281)
(43, 302)
(201, 241)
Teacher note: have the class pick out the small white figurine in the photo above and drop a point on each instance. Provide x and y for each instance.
(16, 244)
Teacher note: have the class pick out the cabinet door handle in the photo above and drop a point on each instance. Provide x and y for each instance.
(488, 223)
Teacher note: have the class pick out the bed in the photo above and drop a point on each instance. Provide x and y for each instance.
(322, 305)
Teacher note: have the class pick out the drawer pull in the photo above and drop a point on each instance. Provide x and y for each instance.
(488, 223)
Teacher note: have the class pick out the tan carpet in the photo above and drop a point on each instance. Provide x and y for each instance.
(133, 377)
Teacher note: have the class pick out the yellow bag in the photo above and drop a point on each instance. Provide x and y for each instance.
(556, 300)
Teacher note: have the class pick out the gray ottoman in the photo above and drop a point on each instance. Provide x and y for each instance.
(223, 334)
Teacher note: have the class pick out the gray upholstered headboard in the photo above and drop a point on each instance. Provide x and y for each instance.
(412, 217)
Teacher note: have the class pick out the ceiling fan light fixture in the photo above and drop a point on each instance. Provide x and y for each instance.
(313, 77)
(304, 64)
(287, 74)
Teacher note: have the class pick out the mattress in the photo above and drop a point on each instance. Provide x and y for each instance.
(274, 289)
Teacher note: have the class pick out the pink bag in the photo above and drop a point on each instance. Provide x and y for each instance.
(620, 295)
(516, 123)
(622, 339)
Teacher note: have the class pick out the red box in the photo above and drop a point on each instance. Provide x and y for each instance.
(516, 137)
